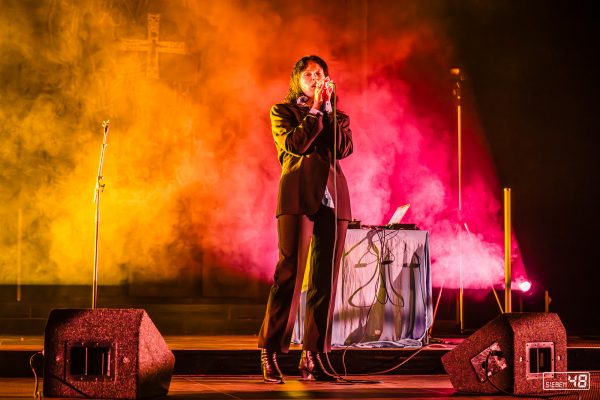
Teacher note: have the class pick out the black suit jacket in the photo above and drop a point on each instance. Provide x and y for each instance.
(304, 145)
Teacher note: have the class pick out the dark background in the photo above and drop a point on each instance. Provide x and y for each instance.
(533, 69)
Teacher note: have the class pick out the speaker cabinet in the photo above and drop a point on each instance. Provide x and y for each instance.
(515, 350)
(105, 353)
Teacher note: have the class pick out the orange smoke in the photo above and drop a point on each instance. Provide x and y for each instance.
(191, 171)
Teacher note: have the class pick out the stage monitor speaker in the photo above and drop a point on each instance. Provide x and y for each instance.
(105, 353)
(515, 350)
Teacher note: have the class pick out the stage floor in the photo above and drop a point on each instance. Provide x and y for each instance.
(227, 367)
(240, 342)
(252, 387)
(180, 342)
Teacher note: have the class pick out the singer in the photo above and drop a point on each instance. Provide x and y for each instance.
(313, 205)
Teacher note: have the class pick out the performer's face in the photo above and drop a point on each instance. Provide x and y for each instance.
(312, 74)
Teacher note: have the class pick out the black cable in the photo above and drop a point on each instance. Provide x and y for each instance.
(400, 364)
(337, 376)
(39, 395)
(335, 211)
(383, 237)
(364, 332)
(371, 249)
(36, 392)
(335, 234)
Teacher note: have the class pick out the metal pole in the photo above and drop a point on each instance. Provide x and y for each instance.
(507, 252)
(99, 188)
(457, 94)
(458, 78)
(459, 119)
(19, 252)
(96, 240)
(461, 304)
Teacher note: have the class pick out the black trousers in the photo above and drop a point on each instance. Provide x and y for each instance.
(295, 234)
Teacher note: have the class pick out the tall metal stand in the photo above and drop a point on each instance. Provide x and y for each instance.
(99, 189)
(462, 225)
(507, 252)
(458, 78)
(19, 252)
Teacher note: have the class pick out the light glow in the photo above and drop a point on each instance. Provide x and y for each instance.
(524, 286)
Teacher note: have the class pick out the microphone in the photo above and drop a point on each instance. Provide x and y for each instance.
(327, 106)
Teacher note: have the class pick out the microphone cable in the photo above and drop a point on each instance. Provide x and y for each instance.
(335, 374)
(339, 378)
(335, 239)
(36, 392)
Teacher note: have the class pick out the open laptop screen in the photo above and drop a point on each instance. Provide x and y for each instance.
(398, 214)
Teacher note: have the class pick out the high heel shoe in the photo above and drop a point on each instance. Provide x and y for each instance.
(312, 369)
(270, 369)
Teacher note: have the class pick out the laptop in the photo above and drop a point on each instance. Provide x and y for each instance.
(398, 215)
(394, 222)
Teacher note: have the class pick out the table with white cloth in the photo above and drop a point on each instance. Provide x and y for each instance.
(383, 296)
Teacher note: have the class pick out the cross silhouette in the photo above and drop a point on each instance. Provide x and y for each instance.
(153, 46)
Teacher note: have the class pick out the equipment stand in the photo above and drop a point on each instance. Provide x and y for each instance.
(99, 188)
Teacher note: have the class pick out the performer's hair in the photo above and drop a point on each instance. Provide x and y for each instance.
(295, 90)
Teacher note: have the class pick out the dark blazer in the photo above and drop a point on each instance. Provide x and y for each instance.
(304, 145)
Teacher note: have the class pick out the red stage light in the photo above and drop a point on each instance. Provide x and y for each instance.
(524, 286)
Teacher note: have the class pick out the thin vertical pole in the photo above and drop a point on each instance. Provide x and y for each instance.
(19, 251)
(461, 304)
(96, 240)
(507, 252)
(97, 191)
(459, 122)
(461, 316)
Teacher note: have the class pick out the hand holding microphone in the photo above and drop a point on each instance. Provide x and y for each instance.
(323, 93)
(328, 87)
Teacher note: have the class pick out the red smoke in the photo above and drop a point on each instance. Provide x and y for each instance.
(191, 163)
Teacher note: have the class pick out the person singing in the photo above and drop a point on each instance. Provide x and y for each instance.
(313, 205)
